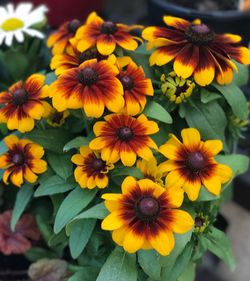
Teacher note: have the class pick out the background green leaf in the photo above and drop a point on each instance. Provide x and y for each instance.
(156, 111)
(149, 260)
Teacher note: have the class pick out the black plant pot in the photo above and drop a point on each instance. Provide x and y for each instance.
(232, 21)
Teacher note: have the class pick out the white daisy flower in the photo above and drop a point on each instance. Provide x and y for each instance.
(15, 22)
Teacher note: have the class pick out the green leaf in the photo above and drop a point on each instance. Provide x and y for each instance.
(236, 99)
(205, 195)
(61, 164)
(79, 236)
(53, 185)
(22, 199)
(57, 239)
(189, 273)
(242, 76)
(180, 242)
(207, 96)
(50, 139)
(218, 243)
(50, 78)
(209, 119)
(119, 266)
(44, 228)
(76, 200)
(37, 253)
(3, 147)
(158, 112)
(96, 212)
(237, 162)
(87, 273)
(76, 143)
(181, 264)
(126, 171)
(150, 262)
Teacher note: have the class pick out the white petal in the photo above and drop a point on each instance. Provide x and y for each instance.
(3, 13)
(34, 33)
(36, 15)
(9, 38)
(19, 36)
(10, 9)
(23, 9)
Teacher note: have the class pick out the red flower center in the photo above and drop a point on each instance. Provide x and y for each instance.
(198, 221)
(73, 26)
(124, 133)
(108, 27)
(148, 207)
(88, 76)
(20, 96)
(196, 161)
(199, 34)
(98, 164)
(18, 159)
(127, 82)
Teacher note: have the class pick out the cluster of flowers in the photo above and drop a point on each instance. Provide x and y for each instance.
(92, 77)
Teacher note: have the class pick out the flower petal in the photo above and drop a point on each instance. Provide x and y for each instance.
(182, 222)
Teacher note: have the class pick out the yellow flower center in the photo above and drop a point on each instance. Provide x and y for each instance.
(12, 24)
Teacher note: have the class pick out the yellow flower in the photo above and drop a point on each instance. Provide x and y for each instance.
(192, 164)
(57, 119)
(145, 216)
(91, 170)
(22, 161)
(150, 170)
(176, 88)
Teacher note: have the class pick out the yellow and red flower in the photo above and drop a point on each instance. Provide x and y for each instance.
(23, 102)
(91, 86)
(106, 35)
(22, 161)
(59, 40)
(145, 216)
(73, 58)
(192, 164)
(91, 170)
(196, 50)
(150, 170)
(123, 137)
(136, 87)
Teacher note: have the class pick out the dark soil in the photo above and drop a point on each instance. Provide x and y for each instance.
(208, 5)
(13, 268)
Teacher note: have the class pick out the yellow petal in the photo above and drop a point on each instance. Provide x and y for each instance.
(112, 196)
(163, 242)
(128, 157)
(97, 144)
(11, 141)
(133, 241)
(38, 166)
(112, 221)
(192, 189)
(36, 150)
(119, 234)
(175, 196)
(213, 184)
(223, 172)
(182, 222)
(171, 147)
(213, 146)
(102, 182)
(26, 124)
(167, 166)
(77, 159)
(17, 177)
(191, 137)
(29, 175)
(3, 161)
(175, 179)
(128, 184)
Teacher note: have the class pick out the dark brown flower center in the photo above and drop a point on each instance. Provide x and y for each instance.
(148, 207)
(124, 133)
(127, 82)
(180, 90)
(198, 222)
(73, 26)
(88, 76)
(196, 161)
(20, 97)
(98, 164)
(108, 27)
(57, 117)
(199, 34)
(18, 159)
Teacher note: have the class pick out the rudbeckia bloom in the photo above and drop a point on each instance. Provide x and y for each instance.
(106, 35)
(150, 170)
(23, 102)
(192, 164)
(136, 87)
(123, 137)
(57, 119)
(91, 170)
(91, 86)
(196, 50)
(59, 40)
(22, 161)
(145, 216)
(15, 23)
(73, 58)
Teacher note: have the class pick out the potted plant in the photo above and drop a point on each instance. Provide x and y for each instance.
(116, 157)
